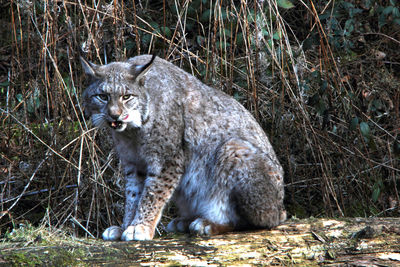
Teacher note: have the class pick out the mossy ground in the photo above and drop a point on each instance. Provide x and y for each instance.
(308, 242)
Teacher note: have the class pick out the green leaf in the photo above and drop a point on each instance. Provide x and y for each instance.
(320, 107)
(377, 103)
(146, 38)
(222, 45)
(19, 98)
(225, 32)
(381, 20)
(324, 85)
(265, 32)
(203, 73)
(324, 16)
(166, 31)
(285, 4)
(388, 10)
(277, 35)
(354, 11)
(224, 15)
(349, 25)
(4, 84)
(129, 44)
(376, 193)
(236, 96)
(353, 124)
(193, 8)
(316, 74)
(396, 12)
(250, 16)
(33, 102)
(270, 44)
(200, 40)
(305, 87)
(205, 17)
(154, 24)
(334, 129)
(239, 39)
(347, 5)
(364, 128)
(368, 4)
(376, 190)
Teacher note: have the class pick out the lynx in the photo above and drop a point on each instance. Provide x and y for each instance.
(180, 139)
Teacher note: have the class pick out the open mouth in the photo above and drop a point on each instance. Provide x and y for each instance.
(116, 125)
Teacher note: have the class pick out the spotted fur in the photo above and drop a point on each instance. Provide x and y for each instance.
(179, 138)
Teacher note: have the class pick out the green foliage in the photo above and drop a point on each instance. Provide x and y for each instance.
(285, 4)
(365, 131)
(33, 101)
(376, 190)
(346, 20)
(354, 123)
(389, 14)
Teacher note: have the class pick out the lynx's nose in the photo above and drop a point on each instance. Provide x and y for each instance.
(114, 113)
(114, 116)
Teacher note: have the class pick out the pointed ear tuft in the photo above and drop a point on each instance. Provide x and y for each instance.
(139, 71)
(89, 68)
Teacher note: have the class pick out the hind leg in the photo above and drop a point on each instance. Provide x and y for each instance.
(241, 188)
(259, 200)
(257, 190)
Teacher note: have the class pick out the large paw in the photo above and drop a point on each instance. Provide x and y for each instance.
(202, 226)
(178, 225)
(137, 232)
(112, 233)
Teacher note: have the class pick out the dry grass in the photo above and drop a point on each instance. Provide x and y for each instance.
(333, 117)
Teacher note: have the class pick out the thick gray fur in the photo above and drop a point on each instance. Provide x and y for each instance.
(179, 138)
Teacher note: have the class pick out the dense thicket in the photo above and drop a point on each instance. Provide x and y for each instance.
(320, 76)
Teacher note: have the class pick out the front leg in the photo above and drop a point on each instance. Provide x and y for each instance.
(156, 193)
(133, 190)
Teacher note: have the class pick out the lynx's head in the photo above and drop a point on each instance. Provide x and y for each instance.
(114, 97)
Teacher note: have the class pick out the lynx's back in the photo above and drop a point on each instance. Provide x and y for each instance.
(200, 146)
(209, 115)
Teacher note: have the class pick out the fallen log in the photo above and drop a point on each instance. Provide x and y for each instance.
(307, 242)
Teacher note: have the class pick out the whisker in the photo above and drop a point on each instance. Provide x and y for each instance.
(99, 120)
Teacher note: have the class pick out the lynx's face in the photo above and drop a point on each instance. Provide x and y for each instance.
(114, 98)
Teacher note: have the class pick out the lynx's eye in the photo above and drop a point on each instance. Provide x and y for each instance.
(103, 97)
(127, 97)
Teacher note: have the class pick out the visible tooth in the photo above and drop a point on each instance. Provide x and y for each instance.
(115, 124)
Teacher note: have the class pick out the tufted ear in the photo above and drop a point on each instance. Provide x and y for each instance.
(138, 71)
(91, 69)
